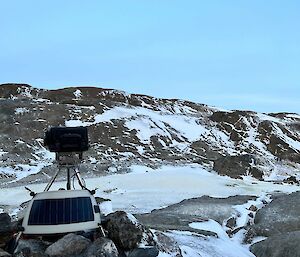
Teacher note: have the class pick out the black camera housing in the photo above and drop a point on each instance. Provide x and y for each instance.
(67, 139)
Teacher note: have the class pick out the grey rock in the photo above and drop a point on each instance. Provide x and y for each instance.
(6, 229)
(102, 247)
(280, 216)
(283, 245)
(179, 216)
(144, 252)
(3, 253)
(231, 222)
(69, 245)
(126, 231)
(31, 248)
(167, 245)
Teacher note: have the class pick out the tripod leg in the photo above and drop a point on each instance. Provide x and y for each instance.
(80, 180)
(51, 181)
(68, 180)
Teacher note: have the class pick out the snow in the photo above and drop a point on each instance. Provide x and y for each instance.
(210, 225)
(21, 110)
(25, 91)
(263, 117)
(243, 210)
(149, 123)
(293, 143)
(146, 189)
(106, 207)
(77, 94)
(2, 152)
(194, 245)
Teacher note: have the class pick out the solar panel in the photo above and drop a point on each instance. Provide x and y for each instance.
(61, 211)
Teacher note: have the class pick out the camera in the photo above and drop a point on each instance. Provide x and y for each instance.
(67, 139)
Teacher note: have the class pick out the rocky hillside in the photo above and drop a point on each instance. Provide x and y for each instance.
(128, 129)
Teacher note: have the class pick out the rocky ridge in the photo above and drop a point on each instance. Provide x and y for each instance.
(128, 129)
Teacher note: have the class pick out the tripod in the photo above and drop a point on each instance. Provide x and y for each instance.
(68, 161)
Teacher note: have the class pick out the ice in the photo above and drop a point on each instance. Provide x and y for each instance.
(146, 189)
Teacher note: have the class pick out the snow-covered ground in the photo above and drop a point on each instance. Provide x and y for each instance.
(145, 189)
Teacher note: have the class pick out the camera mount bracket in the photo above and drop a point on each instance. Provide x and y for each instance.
(68, 161)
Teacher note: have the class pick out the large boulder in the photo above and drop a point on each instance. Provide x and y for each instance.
(280, 216)
(283, 245)
(69, 245)
(6, 229)
(31, 248)
(126, 231)
(102, 247)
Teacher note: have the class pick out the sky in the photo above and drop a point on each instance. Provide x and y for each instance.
(230, 54)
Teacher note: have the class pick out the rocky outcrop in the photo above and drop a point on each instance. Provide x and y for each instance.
(179, 216)
(236, 166)
(280, 216)
(282, 245)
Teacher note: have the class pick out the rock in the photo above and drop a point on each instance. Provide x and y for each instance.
(250, 234)
(4, 254)
(279, 216)
(253, 208)
(291, 180)
(167, 245)
(251, 215)
(178, 216)
(231, 222)
(236, 166)
(69, 245)
(125, 230)
(283, 245)
(102, 247)
(151, 251)
(6, 229)
(31, 248)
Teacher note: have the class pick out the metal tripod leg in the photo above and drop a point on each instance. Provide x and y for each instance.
(80, 180)
(51, 181)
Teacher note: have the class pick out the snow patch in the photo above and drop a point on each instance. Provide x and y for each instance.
(210, 225)
(21, 110)
(77, 94)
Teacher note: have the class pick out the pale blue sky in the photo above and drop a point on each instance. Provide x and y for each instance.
(227, 53)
